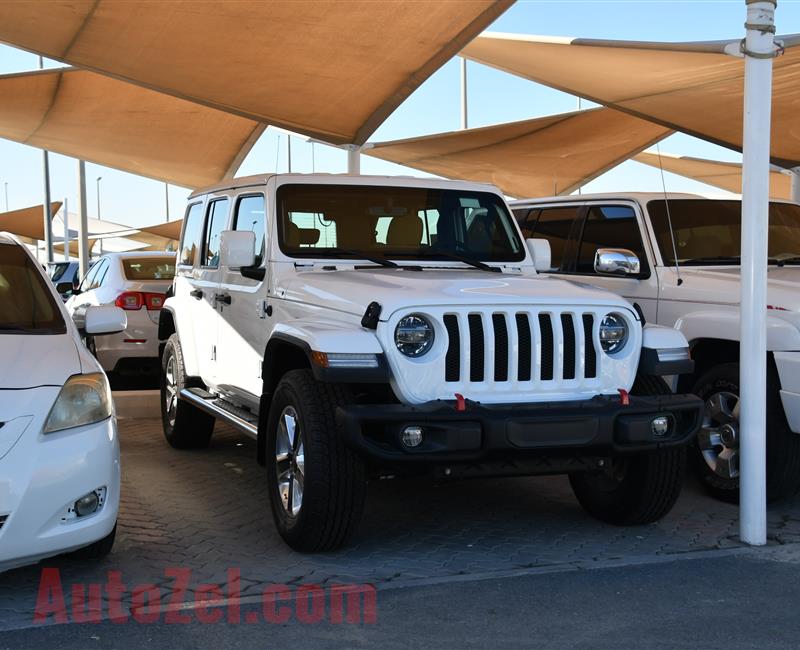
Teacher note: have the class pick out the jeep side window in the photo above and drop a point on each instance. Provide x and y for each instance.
(608, 226)
(216, 220)
(251, 215)
(192, 233)
(556, 226)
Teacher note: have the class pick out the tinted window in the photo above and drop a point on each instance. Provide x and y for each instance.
(101, 274)
(192, 233)
(148, 268)
(608, 226)
(250, 215)
(57, 270)
(88, 281)
(215, 224)
(26, 305)
(554, 225)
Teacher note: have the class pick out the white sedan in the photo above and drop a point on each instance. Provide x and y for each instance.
(59, 451)
(137, 283)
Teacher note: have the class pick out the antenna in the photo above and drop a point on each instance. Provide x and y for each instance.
(669, 218)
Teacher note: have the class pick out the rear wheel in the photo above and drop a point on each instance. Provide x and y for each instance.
(185, 426)
(636, 489)
(317, 486)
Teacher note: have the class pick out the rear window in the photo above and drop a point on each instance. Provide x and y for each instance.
(148, 268)
(26, 304)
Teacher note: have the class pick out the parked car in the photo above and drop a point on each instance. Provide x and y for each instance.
(371, 327)
(65, 276)
(624, 243)
(59, 451)
(137, 283)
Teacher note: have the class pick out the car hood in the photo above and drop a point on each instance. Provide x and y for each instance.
(31, 360)
(782, 284)
(352, 290)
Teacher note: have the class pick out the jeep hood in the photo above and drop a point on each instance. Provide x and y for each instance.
(351, 291)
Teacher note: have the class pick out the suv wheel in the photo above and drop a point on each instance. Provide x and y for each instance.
(636, 489)
(185, 426)
(317, 485)
(715, 457)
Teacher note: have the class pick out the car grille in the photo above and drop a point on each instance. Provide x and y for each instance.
(520, 346)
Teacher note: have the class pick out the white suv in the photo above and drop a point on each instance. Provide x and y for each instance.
(628, 243)
(363, 327)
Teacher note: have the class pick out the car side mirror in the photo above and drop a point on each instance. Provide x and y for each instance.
(540, 251)
(237, 248)
(65, 288)
(616, 261)
(103, 319)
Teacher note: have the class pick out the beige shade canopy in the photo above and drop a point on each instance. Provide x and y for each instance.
(332, 70)
(538, 157)
(74, 247)
(725, 175)
(170, 230)
(113, 123)
(27, 222)
(691, 87)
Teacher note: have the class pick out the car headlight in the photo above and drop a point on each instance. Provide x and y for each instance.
(613, 333)
(413, 335)
(84, 399)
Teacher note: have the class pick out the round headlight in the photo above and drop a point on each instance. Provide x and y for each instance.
(413, 335)
(613, 333)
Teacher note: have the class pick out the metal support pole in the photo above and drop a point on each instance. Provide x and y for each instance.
(65, 217)
(463, 93)
(99, 178)
(759, 43)
(795, 196)
(47, 215)
(289, 152)
(166, 198)
(83, 222)
(354, 159)
(6, 188)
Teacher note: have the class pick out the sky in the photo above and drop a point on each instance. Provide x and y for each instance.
(493, 97)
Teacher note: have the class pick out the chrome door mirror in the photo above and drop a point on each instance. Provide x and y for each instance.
(237, 248)
(616, 261)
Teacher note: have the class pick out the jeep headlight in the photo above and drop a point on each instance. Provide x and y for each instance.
(613, 333)
(84, 399)
(413, 335)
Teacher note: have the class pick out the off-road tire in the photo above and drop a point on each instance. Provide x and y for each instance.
(637, 489)
(334, 482)
(191, 428)
(783, 445)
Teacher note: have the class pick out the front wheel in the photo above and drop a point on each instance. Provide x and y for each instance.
(317, 486)
(635, 489)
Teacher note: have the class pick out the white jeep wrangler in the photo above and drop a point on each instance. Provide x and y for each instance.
(364, 327)
(624, 243)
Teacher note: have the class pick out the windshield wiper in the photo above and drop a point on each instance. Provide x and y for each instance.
(469, 260)
(380, 261)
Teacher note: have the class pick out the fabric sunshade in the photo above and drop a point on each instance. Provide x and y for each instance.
(332, 70)
(692, 87)
(27, 222)
(725, 175)
(113, 123)
(538, 157)
(74, 247)
(170, 230)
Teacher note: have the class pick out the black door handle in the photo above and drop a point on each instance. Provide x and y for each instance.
(224, 298)
(197, 294)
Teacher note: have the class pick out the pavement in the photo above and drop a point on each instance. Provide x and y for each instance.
(510, 562)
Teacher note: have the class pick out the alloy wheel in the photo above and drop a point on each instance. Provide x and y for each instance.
(718, 438)
(290, 461)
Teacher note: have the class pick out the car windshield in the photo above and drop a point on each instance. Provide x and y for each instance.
(709, 232)
(148, 268)
(26, 305)
(343, 221)
(57, 270)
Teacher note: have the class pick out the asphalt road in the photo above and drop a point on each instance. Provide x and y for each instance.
(742, 599)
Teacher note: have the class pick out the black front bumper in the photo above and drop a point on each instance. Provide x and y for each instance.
(602, 426)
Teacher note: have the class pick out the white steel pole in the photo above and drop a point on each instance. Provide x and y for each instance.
(48, 215)
(166, 199)
(83, 222)
(99, 178)
(289, 153)
(759, 48)
(65, 217)
(795, 196)
(354, 159)
(463, 93)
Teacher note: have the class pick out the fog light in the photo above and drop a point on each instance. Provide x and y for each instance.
(660, 426)
(87, 505)
(412, 436)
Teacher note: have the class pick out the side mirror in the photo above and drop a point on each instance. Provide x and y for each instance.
(65, 288)
(616, 261)
(540, 251)
(237, 248)
(104, 319)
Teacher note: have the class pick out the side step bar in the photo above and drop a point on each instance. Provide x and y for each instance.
(239, 419)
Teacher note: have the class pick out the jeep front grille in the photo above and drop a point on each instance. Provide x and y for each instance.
(520, 347)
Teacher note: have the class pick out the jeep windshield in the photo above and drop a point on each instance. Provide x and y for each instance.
(404, 223)
(709, 232)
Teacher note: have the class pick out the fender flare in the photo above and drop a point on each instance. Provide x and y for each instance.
(724, 325)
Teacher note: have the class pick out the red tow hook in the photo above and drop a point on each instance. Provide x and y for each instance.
(624, 398)
(461, 403)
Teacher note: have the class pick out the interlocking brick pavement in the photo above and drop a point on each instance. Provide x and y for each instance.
(207, 510)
